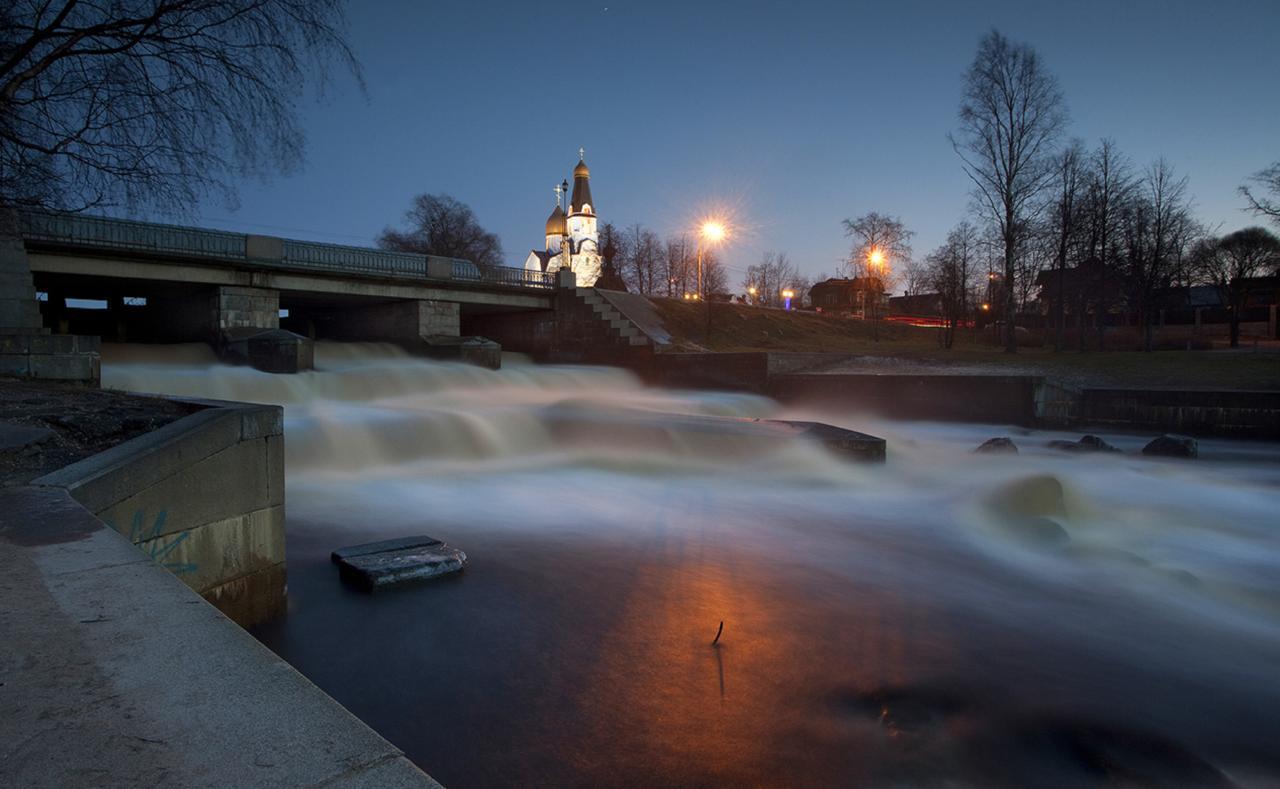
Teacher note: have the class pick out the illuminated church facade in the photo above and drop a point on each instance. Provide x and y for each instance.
(572, 237)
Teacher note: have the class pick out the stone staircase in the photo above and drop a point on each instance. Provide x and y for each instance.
(617, 328)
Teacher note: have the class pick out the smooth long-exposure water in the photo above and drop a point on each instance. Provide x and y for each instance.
(947, 619)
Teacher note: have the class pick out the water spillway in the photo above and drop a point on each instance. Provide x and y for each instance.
(944, 619)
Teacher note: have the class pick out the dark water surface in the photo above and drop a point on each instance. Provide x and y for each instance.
(945, 620)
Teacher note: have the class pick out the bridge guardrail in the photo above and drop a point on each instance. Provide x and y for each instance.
(129, 235)
(333, 257)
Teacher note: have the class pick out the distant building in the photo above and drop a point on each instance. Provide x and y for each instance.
(572, 239)
(849, 295)
(920, 304)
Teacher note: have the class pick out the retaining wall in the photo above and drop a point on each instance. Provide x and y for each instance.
(204, 497)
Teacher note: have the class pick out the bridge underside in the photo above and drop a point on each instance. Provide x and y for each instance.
(164, 301)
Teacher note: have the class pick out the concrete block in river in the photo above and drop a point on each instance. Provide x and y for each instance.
(379, 565)
(571, 424)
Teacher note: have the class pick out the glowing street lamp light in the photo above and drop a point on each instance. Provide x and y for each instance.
(787, 295)
(712, 232)
(876, 258)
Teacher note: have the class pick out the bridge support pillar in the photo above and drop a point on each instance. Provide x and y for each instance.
(246, 323)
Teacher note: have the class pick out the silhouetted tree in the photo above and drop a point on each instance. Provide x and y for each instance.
(641, 260)
(441, 225)
(1011, 115)
(877, 232)
(610, 276)
(1155, 228)
(1268, 203)
(949, 272)
(770, 277)
(1064, 224)
(1109, 185)
(155, 102)
(1227, 262)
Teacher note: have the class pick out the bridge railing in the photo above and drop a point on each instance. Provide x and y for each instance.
(95, 232)
(124, 234)
(360, 260)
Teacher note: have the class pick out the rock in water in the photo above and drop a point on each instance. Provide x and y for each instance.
(1001, 445)
(1173, 446)
(379, 565)
(1086, 444)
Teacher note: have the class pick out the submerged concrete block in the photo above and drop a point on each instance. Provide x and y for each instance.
(379, 565)
(472, 350)
(849, 444)
(272, 351)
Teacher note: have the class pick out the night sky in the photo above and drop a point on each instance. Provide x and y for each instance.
(792, 116)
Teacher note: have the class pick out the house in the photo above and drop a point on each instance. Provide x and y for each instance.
(857, 295)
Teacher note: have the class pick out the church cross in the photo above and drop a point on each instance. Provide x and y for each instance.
(582, 153)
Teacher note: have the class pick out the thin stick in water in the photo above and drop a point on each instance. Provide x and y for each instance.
(718, 632)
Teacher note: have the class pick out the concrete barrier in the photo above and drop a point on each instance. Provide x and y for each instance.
(204, 497)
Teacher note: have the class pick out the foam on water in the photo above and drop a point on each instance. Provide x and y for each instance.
(1097, 601)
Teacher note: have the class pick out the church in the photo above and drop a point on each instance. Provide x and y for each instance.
(572, 240)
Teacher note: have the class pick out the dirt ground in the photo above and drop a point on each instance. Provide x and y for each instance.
(879, 347)
(81, 422)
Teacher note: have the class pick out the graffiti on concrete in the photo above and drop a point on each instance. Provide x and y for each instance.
(157, 548)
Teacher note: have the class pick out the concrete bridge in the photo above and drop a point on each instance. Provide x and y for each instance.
(262, 299)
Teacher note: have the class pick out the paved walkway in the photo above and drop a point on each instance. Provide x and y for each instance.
(114, 674)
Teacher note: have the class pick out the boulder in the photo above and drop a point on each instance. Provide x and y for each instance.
(1088, 443)
(1173, 446)
(1000, 445)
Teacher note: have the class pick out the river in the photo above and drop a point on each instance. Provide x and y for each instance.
(946, 619)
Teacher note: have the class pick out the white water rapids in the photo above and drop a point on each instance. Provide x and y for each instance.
(944, 619)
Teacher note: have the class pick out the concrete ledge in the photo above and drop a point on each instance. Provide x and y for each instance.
(115, 674)
(204, 497)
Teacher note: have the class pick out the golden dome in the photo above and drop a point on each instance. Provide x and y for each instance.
(555, 222)
(581, 170)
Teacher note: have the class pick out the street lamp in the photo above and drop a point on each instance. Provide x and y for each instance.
(787, 295)
(711, 232)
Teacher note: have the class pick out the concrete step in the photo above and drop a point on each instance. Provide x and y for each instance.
(638, 341)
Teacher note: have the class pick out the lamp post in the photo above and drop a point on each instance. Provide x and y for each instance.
(711, 232)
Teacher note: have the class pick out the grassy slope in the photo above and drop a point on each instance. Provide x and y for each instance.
(735, 327)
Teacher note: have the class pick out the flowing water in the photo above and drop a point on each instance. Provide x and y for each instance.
(947, 619)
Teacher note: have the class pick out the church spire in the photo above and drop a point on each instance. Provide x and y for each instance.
(581, 202)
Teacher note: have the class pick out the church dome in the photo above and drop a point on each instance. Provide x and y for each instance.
(555, 223)
(581, 170)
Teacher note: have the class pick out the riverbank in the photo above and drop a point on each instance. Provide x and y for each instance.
(54, 425)
(853, 346)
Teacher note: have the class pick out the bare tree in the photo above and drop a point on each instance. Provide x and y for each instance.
(770, 277)
(1267, 205)
(1154, 231)
(441, 225)
(1064, 219)
(915, 277)
(1109, 186)
(715, 280)
(1227, 262)
(642, 260)
(1011, 115)
(877, 233)
(155, 102)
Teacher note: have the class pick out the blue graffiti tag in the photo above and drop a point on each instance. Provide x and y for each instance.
(158, 550)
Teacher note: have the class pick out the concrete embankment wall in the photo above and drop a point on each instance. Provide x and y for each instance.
(116, 674)
(1240, 414)
(202, 496)
(969, 398)
(1029, 401)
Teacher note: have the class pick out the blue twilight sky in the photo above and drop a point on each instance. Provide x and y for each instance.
(793, 115)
